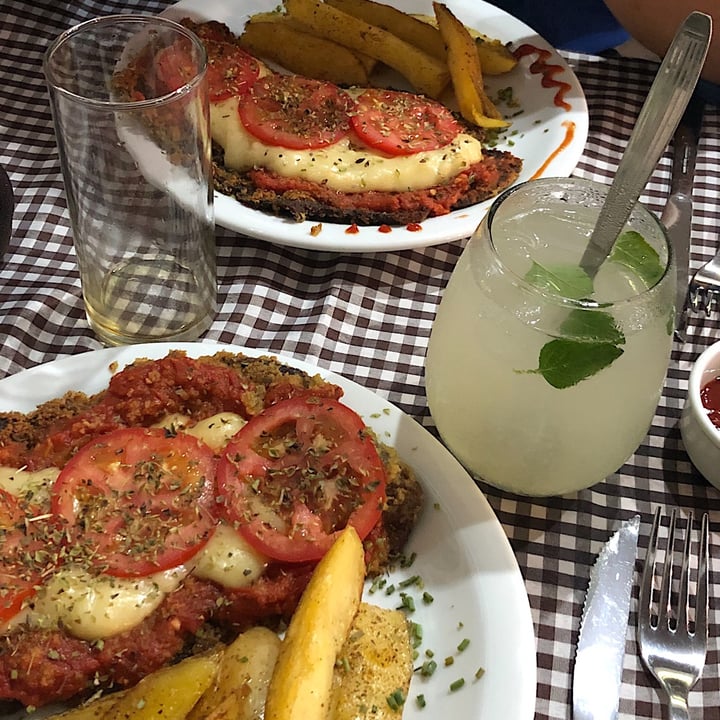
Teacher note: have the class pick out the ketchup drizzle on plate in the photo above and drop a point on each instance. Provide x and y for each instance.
(569, 126)
(548, 71)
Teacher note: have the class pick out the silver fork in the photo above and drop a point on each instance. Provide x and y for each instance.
(705, 287)
(672, 645)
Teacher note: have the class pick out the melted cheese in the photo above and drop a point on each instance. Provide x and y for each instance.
(228, 560)
(341, 166)
(92, 608)
(25, 482)
(215, 431)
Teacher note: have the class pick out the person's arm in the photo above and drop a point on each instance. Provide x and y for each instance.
(653, 23)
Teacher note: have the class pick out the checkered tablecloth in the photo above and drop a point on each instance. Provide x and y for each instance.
(368, 317)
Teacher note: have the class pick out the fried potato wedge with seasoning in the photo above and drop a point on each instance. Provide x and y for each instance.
(169, 693)
(97, 709)
(242, 680)
(426, 73)
(466, 72)
(301, 685)
(282, 42)
(495, 57)
(409, 28)
(374, 667)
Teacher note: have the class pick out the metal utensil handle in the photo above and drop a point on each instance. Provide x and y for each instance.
(668, 97)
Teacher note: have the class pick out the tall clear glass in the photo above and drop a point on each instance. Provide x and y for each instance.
(542, 376)
(129, 100)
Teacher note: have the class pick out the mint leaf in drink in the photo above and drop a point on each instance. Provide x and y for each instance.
(565, 280)
(632, 250)
(592, 326)
(564, 363)
(593, 339)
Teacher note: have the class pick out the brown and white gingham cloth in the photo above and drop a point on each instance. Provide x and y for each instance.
(368, 318)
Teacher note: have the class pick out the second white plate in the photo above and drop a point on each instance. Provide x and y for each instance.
(548, 137)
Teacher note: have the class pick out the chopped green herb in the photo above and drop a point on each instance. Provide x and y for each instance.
(420, 701)
(408, 603)
(463, 645)
(396, 699)
(454, 686)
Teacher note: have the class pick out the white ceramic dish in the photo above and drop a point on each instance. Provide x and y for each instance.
(535, 135)
(700, 437)
(463, 555)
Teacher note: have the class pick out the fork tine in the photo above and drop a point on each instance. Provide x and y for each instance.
(646, 583)
(684, 599)
(664, 604)
(701, 601)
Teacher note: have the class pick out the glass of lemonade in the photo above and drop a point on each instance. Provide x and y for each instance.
(543, 374)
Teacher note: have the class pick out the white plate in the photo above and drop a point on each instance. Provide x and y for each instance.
(535, 134)
(463, 555)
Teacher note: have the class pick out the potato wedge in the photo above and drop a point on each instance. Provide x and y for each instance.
(409, 28)
(425, 73)
(303, 53)
(98, 709)
(281, 17)
(242, 680)
(169, 693)
(495, 57)
(302, 682)
(466, 72)
(376, 663)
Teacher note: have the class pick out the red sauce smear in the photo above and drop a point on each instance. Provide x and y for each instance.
(385, 229)
(710, 397)
(548, 72)
(353, 229)
(569, 126)
(413, 227)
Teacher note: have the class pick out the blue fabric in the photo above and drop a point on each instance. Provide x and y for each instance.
(580, 25)
(583, 26)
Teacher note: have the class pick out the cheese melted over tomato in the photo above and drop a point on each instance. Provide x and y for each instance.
(341, 166)
(93, 607)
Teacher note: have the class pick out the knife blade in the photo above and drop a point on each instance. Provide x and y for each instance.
(677, 215)
(597, 675)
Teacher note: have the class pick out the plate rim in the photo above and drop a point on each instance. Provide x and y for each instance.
(520, 653)
(286, 232)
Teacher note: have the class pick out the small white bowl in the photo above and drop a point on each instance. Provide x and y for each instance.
(700, 436)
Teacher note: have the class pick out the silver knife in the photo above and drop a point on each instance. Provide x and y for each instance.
(601, 647)
(677, 216)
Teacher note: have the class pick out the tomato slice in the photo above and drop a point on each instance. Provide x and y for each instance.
(297, 474)
(231, 71)
(295, 112)
(137, 500)
(400, 123)
(174, 65)
(25, 536)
